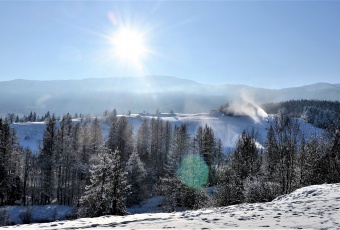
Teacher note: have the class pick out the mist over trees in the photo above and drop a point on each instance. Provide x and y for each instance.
(77, 165)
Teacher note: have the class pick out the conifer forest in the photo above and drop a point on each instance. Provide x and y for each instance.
(102, 174)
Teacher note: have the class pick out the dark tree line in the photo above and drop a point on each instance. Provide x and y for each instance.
(33, 117)
(322, 114)
(76, 165)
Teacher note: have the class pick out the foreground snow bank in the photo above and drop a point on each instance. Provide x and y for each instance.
(315, 206)
(43, 213)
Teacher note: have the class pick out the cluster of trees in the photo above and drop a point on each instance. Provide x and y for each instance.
(10, 184)
(32, 117)
(288, 161)
(76, 165)
(322, 114)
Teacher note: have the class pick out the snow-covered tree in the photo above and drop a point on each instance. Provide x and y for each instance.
(107, 192)
(96, 136)
(47, 161)
(272, 156)
(143, 141)
(120, 138)
(10, 184)
(136, 175)
(287, 132)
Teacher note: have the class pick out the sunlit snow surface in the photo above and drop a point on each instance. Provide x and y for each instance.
(316, 207)
(227, 128)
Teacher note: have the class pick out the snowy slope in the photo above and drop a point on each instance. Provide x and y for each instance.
(227, 128)
(29, 133)
(316, 207)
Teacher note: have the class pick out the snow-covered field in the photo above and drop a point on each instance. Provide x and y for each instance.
(316, 207)
(227, 128)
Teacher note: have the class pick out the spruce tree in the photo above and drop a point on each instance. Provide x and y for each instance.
(143, 141)
(10, 183)
(107, 192)
(136, 175)
(47, 162)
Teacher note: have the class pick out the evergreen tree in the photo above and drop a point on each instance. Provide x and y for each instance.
(65, 160)
(106, 194)
(228, 189)
(120, 138)
(160, 146)
(143, 141)
(136, 175)
(272, 157)
(332, 160)
(10, 183)
(246, 159)
(206, 145)
(27, 166)
(47, 162)
(244, 163)
(287, 133)
(83, 156)
(96, 136)
(309, 156)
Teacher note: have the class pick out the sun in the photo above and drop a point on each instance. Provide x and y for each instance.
(129, 46)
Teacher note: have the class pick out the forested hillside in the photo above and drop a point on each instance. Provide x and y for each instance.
(77, 166)
(323, 114)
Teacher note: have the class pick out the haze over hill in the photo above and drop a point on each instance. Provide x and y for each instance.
(142, 94)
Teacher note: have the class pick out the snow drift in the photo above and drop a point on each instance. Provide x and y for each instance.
(316, 206)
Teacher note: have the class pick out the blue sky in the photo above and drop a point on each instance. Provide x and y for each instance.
(270, 44)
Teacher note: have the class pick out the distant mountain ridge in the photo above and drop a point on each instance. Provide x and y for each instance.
(94, 95)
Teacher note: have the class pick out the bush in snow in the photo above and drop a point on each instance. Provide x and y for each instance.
(256, 189)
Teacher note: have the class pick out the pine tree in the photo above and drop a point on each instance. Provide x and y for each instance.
(246, 158)
(244, 163)
(160, 145)
(143, 141)
(96, 136)
(287, 133)
(334, 160)
(10, 184)
(136, 175)
(27, 166)
(310, 155)
(47, 162)
(170, 183)
(272, 157)
(206, 145)
(84, 153)
(120, 138)
(106, 194)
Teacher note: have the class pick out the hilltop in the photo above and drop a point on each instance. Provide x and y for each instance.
(92, 96)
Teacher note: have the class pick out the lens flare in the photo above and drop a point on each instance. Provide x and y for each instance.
(193, 171)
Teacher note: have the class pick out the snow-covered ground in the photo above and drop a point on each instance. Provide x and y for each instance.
(39, 214)
(227, 128)
(314, 207)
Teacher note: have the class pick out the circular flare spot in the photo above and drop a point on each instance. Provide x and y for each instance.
(193, 171)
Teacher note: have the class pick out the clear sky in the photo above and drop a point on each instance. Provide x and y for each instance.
(270, 44)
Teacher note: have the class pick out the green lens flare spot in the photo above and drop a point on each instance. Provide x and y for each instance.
(193, 171)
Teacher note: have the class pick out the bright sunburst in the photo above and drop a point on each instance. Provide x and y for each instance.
(129, 46)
